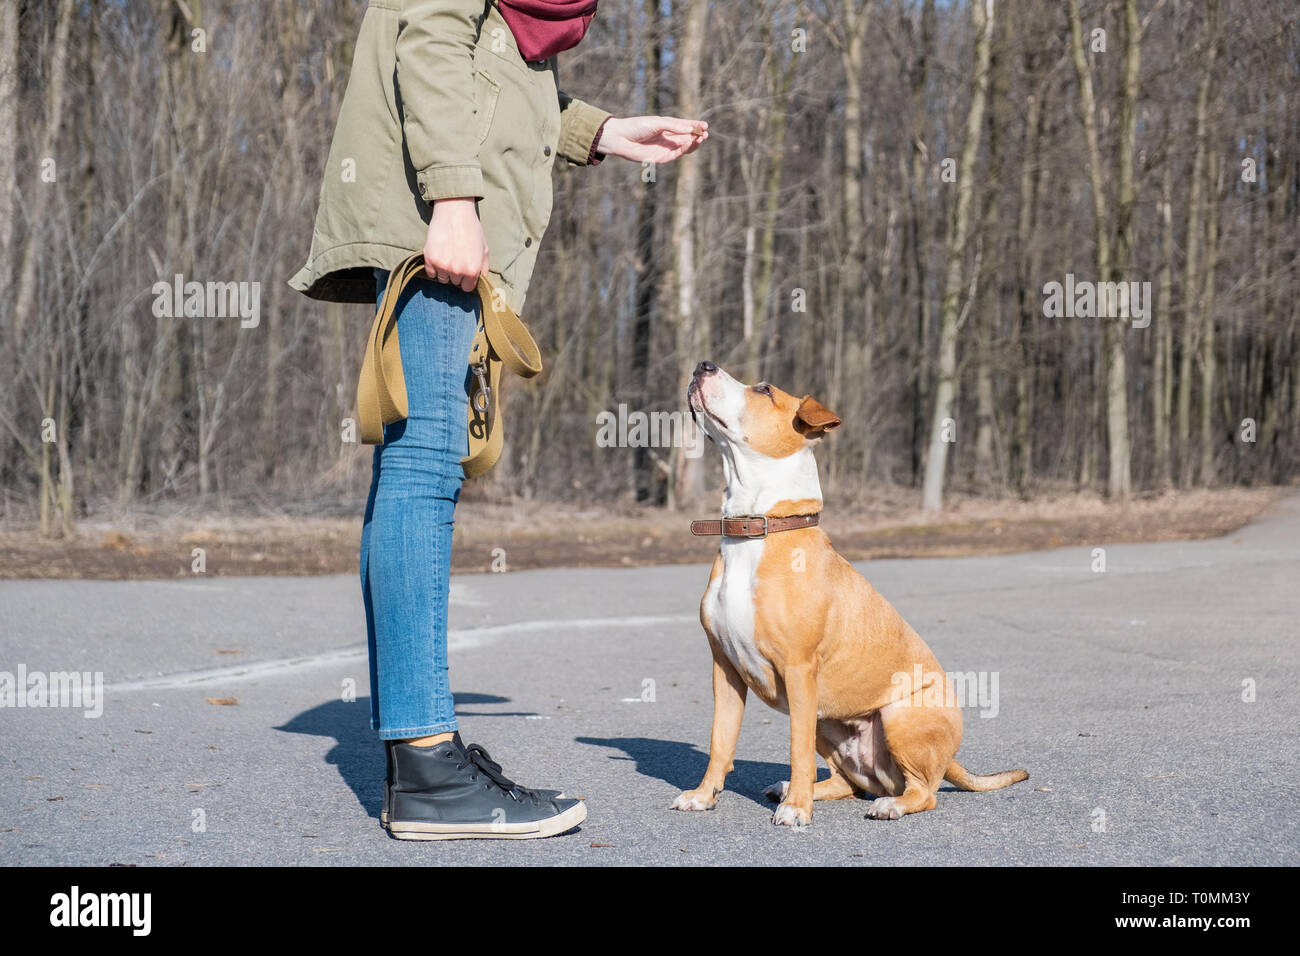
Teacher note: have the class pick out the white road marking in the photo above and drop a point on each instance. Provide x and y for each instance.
(459, 639)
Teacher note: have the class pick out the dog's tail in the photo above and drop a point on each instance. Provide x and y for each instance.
(958, 776)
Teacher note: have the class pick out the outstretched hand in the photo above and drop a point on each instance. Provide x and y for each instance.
(651, 139)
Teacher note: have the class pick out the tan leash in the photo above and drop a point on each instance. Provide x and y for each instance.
(501, 339)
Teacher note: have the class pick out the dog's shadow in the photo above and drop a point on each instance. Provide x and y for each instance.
(356, 751)
(682, 765)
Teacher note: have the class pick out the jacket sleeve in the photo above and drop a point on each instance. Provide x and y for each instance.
(435, 82)
(579, 125)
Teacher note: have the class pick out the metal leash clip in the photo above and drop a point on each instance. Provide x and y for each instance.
(482, 400)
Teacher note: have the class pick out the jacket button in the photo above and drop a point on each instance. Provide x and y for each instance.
(528, 242)
(546, 151)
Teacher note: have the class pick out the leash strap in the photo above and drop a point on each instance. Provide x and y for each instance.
(753, 526)
(501, 339)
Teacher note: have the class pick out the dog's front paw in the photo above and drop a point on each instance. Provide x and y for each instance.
(788, 815)
(884, 808)
(696, 800)
(776, 793)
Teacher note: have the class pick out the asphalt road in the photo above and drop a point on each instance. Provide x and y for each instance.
(1122, 692)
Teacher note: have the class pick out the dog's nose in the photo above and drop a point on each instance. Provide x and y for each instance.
(704, 368)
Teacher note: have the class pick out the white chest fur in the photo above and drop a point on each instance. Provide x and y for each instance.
(729, 603)
(756, 483)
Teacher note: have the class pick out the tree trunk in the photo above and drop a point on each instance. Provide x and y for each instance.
(780, 77)
(1030, 307)
(946, 384)
(1161, 379)
(1119, 479)
(1191, 277)
(1208, 438)
(8, 139)
(691, 324)
(918, 189)
(649, 483)
(1113, 345)
(57, 73)
(987, 476)
(852, 298)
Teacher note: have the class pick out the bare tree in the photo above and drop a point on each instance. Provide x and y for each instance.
(818, 240)
(950, 317)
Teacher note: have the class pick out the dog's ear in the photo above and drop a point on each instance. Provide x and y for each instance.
(814, 419)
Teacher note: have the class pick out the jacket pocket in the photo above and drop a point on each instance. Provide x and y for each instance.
(487, 92)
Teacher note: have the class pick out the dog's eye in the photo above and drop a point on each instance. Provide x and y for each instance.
(763, 389)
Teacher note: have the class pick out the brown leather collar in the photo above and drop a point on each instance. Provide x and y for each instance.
(753, 526)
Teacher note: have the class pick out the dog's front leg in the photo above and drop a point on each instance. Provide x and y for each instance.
(801, 694)
(728, 708)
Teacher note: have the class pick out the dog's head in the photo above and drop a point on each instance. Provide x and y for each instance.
(759, 419)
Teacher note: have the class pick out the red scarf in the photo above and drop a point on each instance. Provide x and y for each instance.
(543, 28)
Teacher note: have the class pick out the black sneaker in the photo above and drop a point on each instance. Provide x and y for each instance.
(453, 792)
(475, 748)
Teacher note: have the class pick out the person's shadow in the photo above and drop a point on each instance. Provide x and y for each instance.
(356, 753)
(682, 765)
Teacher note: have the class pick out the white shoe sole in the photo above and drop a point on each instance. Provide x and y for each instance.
(551, 826)
(383, 814)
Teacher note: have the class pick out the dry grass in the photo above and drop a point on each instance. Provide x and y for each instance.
(886, 523)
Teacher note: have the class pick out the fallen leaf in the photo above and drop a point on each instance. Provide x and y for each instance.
(222, 701)
(115, 541)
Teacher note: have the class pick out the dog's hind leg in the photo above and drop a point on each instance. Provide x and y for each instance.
(835, 787)
(922, 738)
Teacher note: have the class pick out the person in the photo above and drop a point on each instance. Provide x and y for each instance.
(446, 137)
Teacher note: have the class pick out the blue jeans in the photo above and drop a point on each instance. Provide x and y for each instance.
(406, 538)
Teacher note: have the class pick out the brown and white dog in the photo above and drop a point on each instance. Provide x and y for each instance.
(790, 619)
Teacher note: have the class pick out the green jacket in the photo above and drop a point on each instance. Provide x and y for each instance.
(440, 104)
